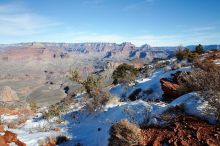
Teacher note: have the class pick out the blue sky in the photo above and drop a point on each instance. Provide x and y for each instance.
(156, 22)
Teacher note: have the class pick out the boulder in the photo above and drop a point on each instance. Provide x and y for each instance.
(10, 137)
(170, 89)
(7, 94)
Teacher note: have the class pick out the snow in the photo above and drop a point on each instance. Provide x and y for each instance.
(33, 130)
(92, 129)
(32, 139)
(193, 105)
(8, 118)
(83, 128)
(152, 82)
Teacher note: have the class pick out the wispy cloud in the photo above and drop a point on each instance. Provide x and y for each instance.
(16, 20)
(202, 29)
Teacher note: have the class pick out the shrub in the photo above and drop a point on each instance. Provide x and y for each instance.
(191, 57)
(124, 74)
(199, 49)
(125, 133)
(75, 76)
(182, 54)
(206, 66)
(206, 80)
(96, 97)
(99, 99)
(53, 111)
(199, 80)
(91, 83)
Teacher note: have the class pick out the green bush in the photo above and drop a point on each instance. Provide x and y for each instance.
(91, 83)
(124, 74)
(75, 76)
(185, 54)
(199, 49)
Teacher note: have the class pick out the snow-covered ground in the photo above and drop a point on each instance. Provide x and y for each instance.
(92, 129)
(33, 130)
(152, 82)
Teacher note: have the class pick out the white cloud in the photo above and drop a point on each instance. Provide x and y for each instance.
(16, 20)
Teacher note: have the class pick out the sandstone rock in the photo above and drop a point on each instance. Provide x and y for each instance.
(170, 89)
(19, 143)
(7, 94)
(10, 137)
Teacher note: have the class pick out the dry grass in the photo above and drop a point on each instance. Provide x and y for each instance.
(125, 133)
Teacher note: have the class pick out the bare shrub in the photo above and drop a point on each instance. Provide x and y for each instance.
(125, 133)
(99, 99)
(206, 66)
(206, 81)
(199, 80)
(96, 97)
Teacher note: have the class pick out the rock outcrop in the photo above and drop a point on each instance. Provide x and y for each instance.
(170, 89)
(183, 131)
(7, 94)
(10, 137)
